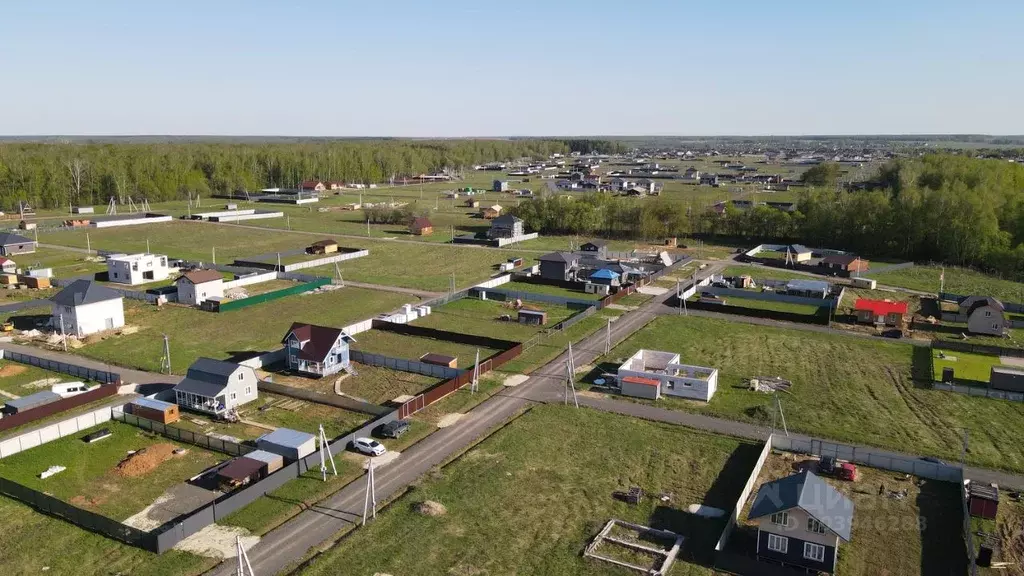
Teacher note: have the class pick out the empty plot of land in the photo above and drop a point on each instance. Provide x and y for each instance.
(413, 347)
(901, 526)
(851, 389)
(974, 368)
(957, 281)
(103, 476)
(553, 463)
(484, 318)
(373, 384)
(21, 380)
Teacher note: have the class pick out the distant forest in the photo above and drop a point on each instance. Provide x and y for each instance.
(49, 174)
(941, 208)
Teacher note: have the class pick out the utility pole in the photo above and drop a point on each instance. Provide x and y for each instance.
(88, 244)
(63, 335)
(475, 383)
(288, 221)
(325, 454)
(570, 380)
(370, 502)
(782, 415)
(451, 285)
(165, 362)
(608, 337)
(963, 449)
(367, 227)
(147, 246)
(214, 254)
(243, 568)
(679, 297)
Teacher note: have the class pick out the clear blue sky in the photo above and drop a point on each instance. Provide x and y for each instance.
(528, 67)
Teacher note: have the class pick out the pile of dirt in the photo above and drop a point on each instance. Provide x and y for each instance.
(430, 508)
(11, 370)
(144, 461)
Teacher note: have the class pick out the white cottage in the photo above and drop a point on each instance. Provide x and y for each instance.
(197, 286)
(86, 307)
(135, 269)
(216, 387)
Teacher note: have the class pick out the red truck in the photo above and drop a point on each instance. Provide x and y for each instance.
(830, 466)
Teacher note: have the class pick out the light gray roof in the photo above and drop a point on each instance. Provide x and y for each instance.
(32, 400)
(8, 238)
(210, 370)
(809, 285)
(200, 387)
(151, 403)
(82, 292)
(812, 495)
(264, 456)
(286, 437)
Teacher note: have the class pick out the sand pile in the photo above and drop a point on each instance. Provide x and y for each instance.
(11, 370)
(145, 460)
(430, 508)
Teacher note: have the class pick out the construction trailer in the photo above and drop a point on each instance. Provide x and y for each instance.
(532, 317)
(155, 410)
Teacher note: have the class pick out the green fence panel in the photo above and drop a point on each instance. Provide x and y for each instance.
(269, 296)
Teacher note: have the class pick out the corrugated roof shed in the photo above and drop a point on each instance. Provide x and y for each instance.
(287, 437)
(33, 400)
(151, 403)
(808, 285)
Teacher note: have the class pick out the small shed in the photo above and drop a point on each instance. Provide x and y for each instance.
(83, 210)
(472, 203)
(271, 462)
(8, 279)
(638, 387)
(1008, 378)
(421, 226)
(34, 282)
(606, 277)
(289, 443)
(29, 402)
(163, 412)
(8, 266)
(323, 247)
(240, 472)
(532, 317)
(440, 360)
(983, 500)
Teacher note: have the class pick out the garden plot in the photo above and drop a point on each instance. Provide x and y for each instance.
(902, 525)
(117, 476)
(485, 318)
(398, 345)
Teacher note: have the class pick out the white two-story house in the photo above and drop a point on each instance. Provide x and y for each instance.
(85, 307)
(197, 286)
(137, 268)
(216, 387)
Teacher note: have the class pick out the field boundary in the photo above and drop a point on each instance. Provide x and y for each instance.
(269, 296)
(336, 401)
(819, 319)
(734, 517)
(180, 434)
(403, 365)
(40, 436)
(983, 349)
(979, 392)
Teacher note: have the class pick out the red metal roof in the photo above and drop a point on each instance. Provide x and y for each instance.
(880, 307)
(319, 340)
(639, 380)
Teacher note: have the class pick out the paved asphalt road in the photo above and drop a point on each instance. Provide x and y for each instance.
(128, 376)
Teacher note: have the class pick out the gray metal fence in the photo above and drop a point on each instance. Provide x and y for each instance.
(63, 367)
(509, 294)
(983, 392)
(404, 365)
(571, 320)
(330, 400)
(872, 457)
(181, 435)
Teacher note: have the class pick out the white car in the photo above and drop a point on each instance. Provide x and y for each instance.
(368, 446)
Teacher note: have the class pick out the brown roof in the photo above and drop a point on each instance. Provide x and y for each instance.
(241, 468)
(319, 340)
(639, 380)
(840, 259)
(201, 276)
(421, 223)
(327, 242)
(432, 358)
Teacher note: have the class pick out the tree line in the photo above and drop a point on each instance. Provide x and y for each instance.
(936, 208)
(52, 175)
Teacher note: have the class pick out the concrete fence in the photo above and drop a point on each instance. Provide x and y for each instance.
(253, 279)
(51, 432)
(359, 327)
(340, 257)
(404, 365)
(494, 282)
(982, 392)
(265, 359)
(734, 517)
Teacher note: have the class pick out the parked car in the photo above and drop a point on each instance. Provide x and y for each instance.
(368, 446)
(893, 333)
(393, 429)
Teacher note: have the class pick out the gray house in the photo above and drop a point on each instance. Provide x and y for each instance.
(11, 244)
(559, 266)
(507, 226)
(985, 315)
(316, 350)
(216, 387)
(801, 519)
(595, 248)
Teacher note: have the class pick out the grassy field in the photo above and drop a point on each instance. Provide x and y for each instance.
(373, 383)
(918, 534)
(91, 481)
(551, 290)
(958, 281)
(412, 347)
(751, 303)
(481, 318)
(194, 333)
(850, 389)
(64, 263)
(759, 273)
(553, 462)
(17, 379)
(973, 367)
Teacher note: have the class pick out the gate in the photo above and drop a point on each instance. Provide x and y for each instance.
(412, 406)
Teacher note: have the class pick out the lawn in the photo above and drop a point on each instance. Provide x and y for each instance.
(21, 379)
(759, 273)
(553, 463)
(736, 302)
(546, 348)
(874, 392)
(963, 281)
(481, 318)
(381, 385)
(918, 534)
(412, 347)
(64, 263)
(194, 333)
(91, 481)
(974, 367)
(549, 289)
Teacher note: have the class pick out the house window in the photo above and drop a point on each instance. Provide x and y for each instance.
(780, 519)
(778, 543)
(813, 551)
(248, 390)
(995, 326)
(988, 313)
(67, 309)
(234, 395)
(815, 527)
(241, 376)
(670, 385)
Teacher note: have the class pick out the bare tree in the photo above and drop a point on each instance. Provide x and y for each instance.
(77, 168)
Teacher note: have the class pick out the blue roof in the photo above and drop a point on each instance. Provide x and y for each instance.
(605, 274)
(151, 403)
(810, 493)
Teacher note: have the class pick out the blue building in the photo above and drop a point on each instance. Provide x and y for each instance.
(316, 350)
(606, 277)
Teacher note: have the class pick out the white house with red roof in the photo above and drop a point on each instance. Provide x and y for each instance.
(8, 266)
